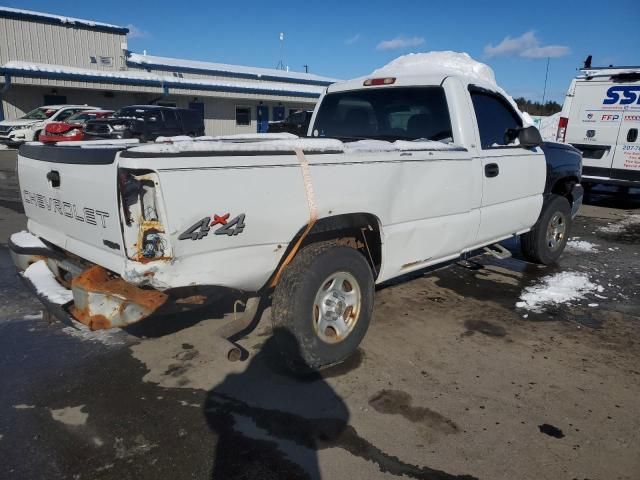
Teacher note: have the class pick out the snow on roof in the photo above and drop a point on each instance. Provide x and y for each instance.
(19, 13)
(443, 63)
(154, 79)
(151, 61)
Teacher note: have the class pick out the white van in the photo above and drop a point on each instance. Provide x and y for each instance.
(601, 118)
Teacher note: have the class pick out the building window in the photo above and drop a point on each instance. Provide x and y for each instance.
(243, 116)
(106, 61)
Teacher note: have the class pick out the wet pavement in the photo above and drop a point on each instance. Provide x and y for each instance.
(452, 381)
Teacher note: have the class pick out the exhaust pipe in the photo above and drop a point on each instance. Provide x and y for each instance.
(238, 324)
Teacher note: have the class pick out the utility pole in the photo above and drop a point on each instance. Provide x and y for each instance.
(546, 76)
(281, 63)
(306, 68)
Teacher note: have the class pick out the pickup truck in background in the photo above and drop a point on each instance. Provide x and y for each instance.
(399, 173)
(146, 123)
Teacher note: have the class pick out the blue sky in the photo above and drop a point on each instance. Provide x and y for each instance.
(347, 39)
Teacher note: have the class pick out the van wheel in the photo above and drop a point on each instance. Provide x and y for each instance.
(324, 301)
(546, 241)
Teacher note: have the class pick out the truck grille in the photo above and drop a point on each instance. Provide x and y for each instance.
(99, 129)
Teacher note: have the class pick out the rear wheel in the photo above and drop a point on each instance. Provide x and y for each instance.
(548, 237)
(323, 305)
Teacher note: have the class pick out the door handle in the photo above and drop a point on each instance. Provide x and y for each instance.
(54, 178)
(491, 170)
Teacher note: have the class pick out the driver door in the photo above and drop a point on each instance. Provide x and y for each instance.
(513, 177)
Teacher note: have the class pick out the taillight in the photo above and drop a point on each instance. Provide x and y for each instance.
(370, 82)
(562, 129)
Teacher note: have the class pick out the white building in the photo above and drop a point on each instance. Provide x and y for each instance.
(50, 59)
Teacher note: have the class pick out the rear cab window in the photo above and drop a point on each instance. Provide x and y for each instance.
(496, 118)
(398, 113)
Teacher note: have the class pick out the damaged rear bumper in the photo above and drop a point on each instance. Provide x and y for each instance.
(73, 290)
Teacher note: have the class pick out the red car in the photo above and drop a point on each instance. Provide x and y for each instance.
(72, 127)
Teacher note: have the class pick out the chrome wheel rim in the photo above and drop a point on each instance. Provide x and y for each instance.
(336, 308)
(556, 231)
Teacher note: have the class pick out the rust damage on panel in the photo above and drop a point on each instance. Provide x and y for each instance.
(192, 300)
(95, 285)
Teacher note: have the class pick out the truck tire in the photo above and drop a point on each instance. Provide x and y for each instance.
(548, 237)
(322, 306)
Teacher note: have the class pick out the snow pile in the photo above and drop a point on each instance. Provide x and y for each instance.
(25, 239)
(582, 246)
(438, 63)
(289, 144)
(46, 284)
(548, 126)
(557, 289)
(239, 137)
(446, 63)
(622, 225)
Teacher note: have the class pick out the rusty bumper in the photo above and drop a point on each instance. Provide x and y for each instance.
(100, 299)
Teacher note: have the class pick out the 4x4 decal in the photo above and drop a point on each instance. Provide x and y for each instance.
(201, 228)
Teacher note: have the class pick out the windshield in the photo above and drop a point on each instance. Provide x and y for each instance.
(40, 113)
(82, 117)
(397, 113)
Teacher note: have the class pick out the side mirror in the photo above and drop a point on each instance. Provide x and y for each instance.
(529, 137)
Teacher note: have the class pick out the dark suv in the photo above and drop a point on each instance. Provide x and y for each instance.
(146, 122)
(296, 123)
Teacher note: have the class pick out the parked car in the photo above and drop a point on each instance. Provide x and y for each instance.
(601, 118)
(296, 123)
(29, 127)
(72, 128)
(452, 169)
(146, 122)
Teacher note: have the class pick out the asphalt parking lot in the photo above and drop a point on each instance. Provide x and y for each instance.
(453, 380)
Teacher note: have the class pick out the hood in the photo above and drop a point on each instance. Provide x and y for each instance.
(19, 122)
(113, 120)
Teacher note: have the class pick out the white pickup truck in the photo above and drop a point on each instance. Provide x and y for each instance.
(399, 173)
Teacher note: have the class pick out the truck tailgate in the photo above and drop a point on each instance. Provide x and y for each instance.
(70, 198)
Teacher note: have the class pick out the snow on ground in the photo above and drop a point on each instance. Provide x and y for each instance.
(581, 246)
(84, 333)
(621, 225)
(46, 284)
(25, 239)
(557, 289)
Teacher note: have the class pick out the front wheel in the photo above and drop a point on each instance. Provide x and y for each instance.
(323, 304)
(548, 237)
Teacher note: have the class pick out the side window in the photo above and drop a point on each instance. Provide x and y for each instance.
(170, 119)
(62, 116)
(495, 116)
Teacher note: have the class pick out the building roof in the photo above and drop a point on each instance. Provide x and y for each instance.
(17, 13)
(141, 78)
(152, 62)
